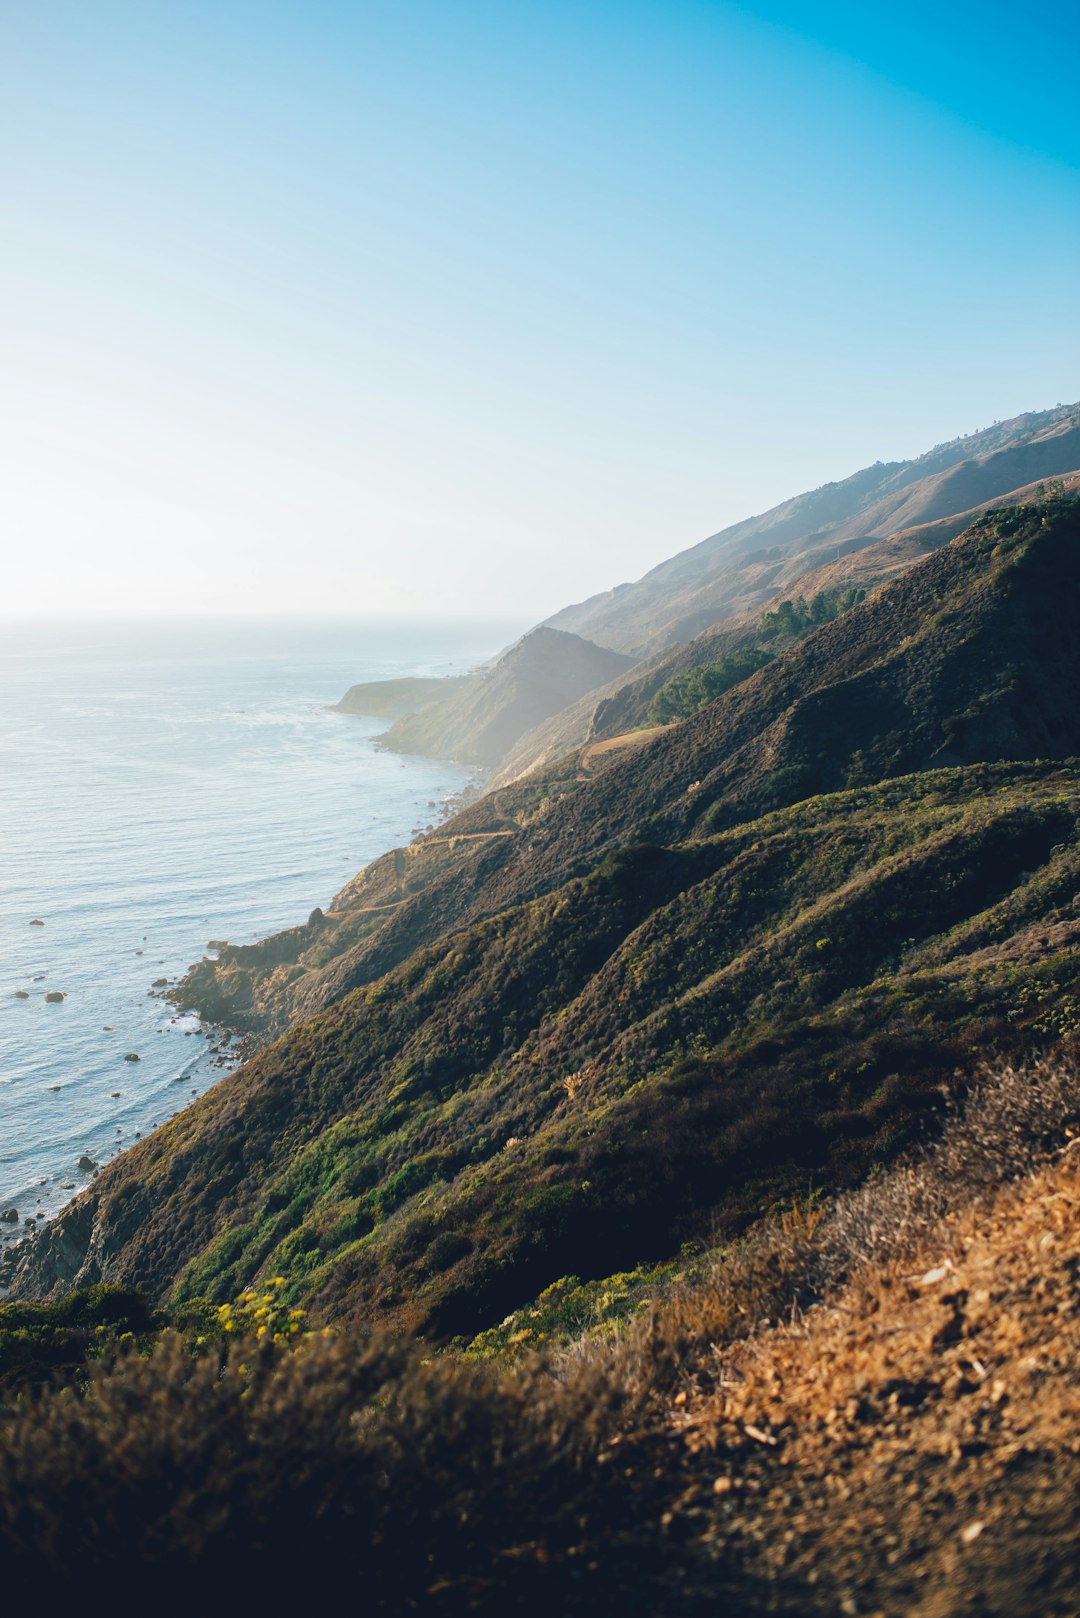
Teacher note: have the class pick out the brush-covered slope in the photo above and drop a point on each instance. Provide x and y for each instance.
(480, 722)
(662, 1048)
(869, 1404)
(742, 566)
(969, 656)
(677, 995)
(397, 699)
(624, 704)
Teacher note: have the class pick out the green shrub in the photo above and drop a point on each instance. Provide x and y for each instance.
(684, 694)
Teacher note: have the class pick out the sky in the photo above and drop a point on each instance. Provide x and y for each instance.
(471, 309)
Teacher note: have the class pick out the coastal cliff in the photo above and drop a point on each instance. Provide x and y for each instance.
(746, 955)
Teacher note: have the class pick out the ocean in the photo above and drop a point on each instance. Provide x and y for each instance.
(162, 785)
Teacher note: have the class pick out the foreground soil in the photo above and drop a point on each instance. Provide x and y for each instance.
(915, 1446)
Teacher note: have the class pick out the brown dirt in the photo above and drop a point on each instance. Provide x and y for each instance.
(914, 1447)
(616, 744)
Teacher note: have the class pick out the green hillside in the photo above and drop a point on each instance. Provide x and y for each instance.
(967, 657)
(713, 977)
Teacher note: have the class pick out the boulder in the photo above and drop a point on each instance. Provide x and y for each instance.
(132, 1056)
(86, 1163)
(10, 1216)
(22, 994)
(37, 924)
(54, 997)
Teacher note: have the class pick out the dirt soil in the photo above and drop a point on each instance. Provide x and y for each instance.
(913, 1448)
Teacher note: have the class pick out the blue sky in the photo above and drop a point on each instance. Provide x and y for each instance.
(478, 308)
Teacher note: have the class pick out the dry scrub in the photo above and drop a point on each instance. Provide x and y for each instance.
(912, 1445)
(868, 1409)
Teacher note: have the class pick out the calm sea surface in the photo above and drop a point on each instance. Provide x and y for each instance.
(161, 786)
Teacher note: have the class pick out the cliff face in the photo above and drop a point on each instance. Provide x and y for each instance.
(539, 676)
(603, 1012)
(396, 699)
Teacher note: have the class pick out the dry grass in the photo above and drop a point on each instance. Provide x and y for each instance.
(422, 1482)
(1015, 1120)
(911, 1445)
(914, 1447)
(872, 1408)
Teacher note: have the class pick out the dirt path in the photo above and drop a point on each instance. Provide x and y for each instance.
(614, 744)
(459, 837)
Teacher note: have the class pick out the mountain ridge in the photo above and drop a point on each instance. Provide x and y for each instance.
(662, 996)
(642, 616)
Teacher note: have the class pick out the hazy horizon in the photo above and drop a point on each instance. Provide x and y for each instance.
(415, 314)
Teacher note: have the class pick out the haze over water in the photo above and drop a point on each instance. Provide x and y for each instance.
(160, 786)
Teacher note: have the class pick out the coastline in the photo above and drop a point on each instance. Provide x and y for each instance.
(129, 896)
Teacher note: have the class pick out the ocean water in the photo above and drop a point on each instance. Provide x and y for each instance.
(161, 786)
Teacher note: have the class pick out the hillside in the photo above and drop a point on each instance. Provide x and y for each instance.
(395, 699)
(624, 703)
(663, 997)
(483, 718)
(866, 1405)
(741, 567)
(964, 658)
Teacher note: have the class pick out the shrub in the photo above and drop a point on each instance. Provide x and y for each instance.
(684, 694)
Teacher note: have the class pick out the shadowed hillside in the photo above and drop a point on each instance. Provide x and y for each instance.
(698, 981)
(483, 717)
(967, 657)
(625, 703)
(865, 1405)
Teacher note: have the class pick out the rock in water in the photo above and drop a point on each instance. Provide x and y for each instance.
(86, 1163)
(54, 997)
(132, 1056)
(37, 924)
(10, 1216)
(21, 994)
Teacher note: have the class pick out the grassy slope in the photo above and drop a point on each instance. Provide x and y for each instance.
(869, 1406)
(675, 1042)
(687, 1031)
(967, 657)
